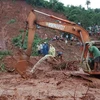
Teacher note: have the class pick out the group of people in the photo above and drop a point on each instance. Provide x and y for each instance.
(45, 48)
(49, 49)
(94, 30)
(66, 38)
(58, 38)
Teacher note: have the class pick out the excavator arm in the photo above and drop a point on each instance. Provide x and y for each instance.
(74, 29)
(64, 26)
(67, 26)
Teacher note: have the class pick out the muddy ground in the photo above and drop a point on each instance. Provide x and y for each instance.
(46, 83)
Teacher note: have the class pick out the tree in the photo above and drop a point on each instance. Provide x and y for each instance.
(58, 7)
(87, 17)
(88, 3)
(53, 1)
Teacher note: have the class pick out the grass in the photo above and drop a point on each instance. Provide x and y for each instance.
(2, 67)
(5, 52)
(11, 21)
(2, 55)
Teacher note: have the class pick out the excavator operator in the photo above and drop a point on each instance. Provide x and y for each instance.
(96, 56)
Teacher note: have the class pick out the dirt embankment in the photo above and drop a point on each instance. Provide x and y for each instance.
(47, 83)
(13, 17)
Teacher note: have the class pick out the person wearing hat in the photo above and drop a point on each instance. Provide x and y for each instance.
(96, 55)
(59, 56)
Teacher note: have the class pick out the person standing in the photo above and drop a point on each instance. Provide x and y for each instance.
(45, 48)
(96, 56)
(39, 49)
(52, 50)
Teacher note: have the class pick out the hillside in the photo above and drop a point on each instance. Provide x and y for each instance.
(13, 22)
(47, 83)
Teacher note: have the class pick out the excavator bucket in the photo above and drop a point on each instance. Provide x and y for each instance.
(21, 68)
(18, 63)
(23, 62)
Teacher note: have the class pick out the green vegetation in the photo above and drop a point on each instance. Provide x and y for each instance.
(17, 41)
(2, 67)
(2, 55)
(89, 17)
(13, 1)
(11, 21)
(6, 52)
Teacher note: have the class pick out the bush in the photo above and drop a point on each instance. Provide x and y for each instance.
(4, 53)
(17, 41)
(2, 67)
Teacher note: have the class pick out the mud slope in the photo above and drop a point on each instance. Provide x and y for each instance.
(46, 83)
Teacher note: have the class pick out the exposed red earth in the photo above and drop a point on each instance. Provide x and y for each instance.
(46, 83)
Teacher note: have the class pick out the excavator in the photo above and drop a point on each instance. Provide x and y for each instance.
(65, 26)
